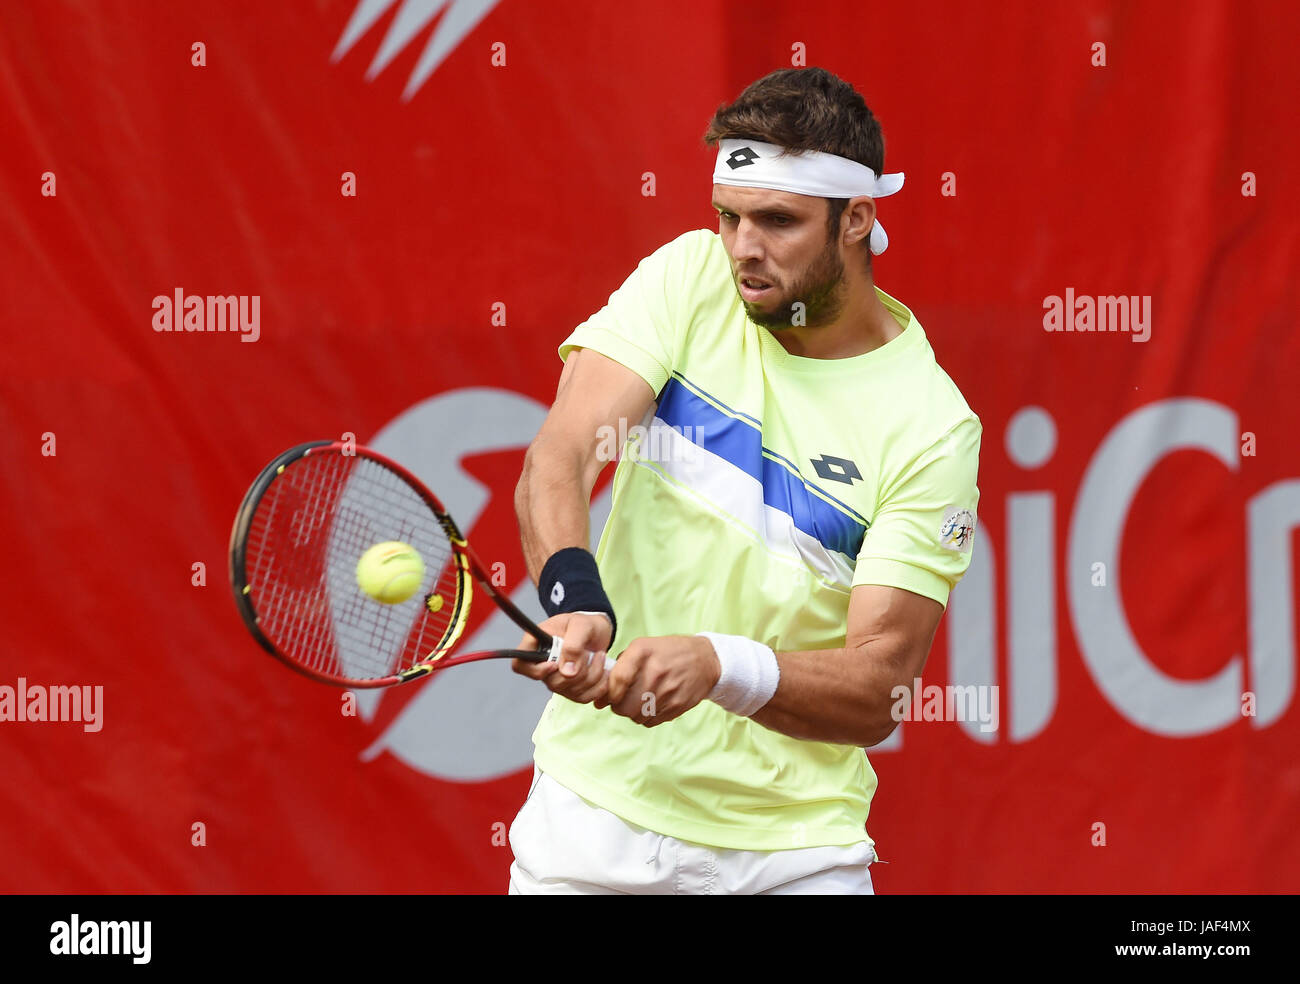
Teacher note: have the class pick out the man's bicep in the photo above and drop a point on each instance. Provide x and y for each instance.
(594, 396)
(893, 624)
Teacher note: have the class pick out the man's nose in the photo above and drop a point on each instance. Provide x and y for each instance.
(747, 246)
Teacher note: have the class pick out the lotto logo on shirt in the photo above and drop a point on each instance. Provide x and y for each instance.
(957, 530)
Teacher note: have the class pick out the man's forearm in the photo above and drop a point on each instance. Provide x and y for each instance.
(842, 696)
(552, 504)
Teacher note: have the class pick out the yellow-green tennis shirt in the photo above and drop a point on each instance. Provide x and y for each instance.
(764, 489)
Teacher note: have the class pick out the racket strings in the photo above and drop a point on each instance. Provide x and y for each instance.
(311, 526)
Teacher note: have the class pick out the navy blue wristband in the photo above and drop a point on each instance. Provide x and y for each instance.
(570, 582)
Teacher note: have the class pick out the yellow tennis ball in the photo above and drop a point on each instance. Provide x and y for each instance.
(390, 572)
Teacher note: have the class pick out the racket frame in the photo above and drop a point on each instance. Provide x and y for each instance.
(469, 570)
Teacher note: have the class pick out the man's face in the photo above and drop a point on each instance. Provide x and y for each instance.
(781, 256)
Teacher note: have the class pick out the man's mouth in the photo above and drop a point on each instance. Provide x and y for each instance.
(752, 288)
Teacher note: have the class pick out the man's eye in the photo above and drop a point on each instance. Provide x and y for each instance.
(781, 220)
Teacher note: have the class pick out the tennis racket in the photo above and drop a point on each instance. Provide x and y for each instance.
(300, 531)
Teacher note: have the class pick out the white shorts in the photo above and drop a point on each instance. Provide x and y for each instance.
(564, 845)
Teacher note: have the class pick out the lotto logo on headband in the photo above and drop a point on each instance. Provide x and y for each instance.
(741, 157)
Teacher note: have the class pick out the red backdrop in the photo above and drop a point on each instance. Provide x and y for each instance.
(499, 199)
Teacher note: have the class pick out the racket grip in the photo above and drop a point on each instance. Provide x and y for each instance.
(557, 644)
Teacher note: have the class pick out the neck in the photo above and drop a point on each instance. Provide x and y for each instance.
(862, 325)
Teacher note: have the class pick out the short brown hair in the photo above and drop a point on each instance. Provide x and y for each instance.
(805, 109)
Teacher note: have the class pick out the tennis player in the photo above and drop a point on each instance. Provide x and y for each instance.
(783, 538)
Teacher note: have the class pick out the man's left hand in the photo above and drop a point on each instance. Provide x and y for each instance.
(659, 678)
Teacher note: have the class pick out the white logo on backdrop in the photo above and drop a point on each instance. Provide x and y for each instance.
(460, 18)
(1134, 686)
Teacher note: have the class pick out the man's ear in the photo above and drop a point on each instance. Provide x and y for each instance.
(858, 218)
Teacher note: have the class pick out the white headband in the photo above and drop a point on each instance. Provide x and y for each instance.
(750, 164)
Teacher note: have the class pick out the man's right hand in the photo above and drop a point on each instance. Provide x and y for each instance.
(574, 675)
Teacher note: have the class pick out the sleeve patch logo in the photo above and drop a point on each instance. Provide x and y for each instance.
(957, 530)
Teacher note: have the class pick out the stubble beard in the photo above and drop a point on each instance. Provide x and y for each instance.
(821, 290)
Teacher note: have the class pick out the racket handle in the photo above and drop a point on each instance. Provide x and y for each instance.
(557, 644)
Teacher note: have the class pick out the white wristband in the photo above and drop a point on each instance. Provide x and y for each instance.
(749, 673)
